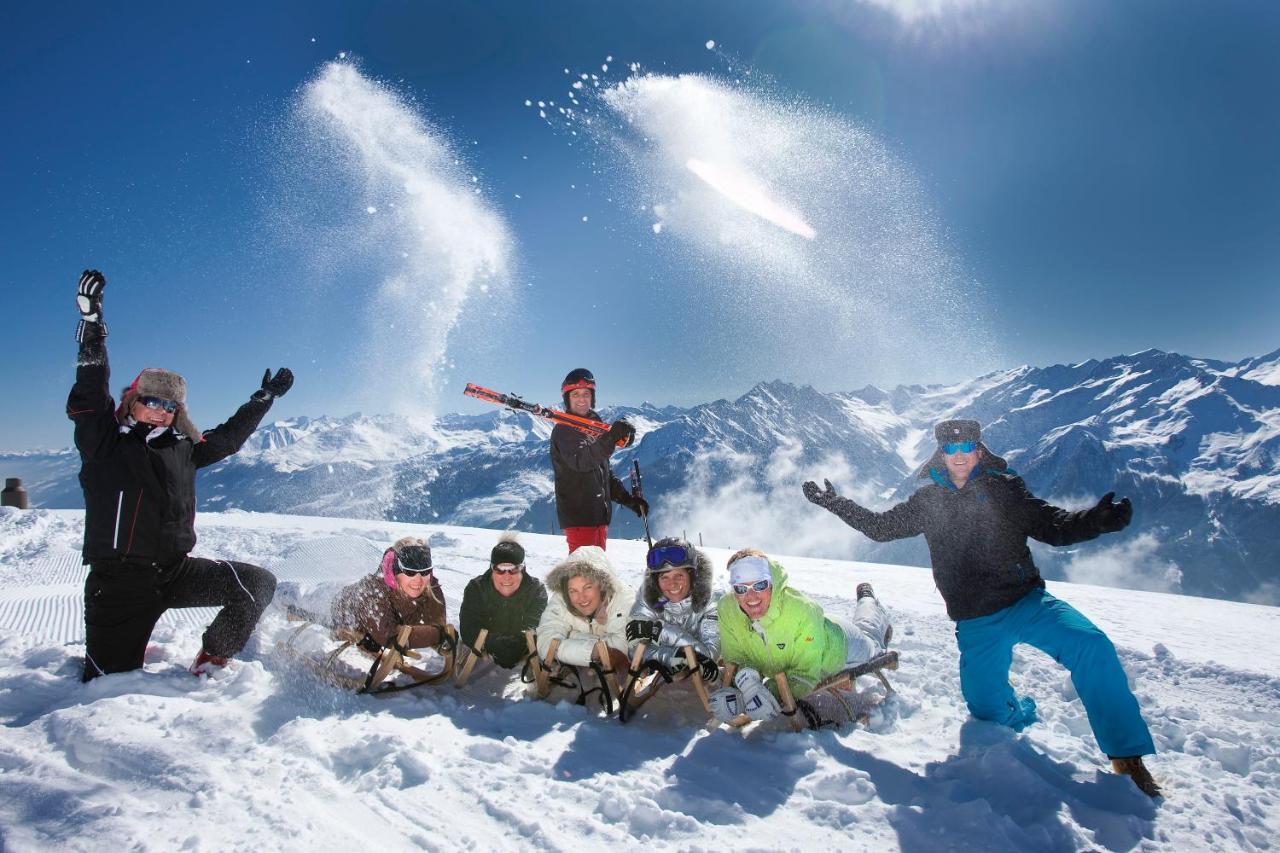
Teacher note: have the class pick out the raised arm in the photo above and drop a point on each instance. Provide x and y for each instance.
(226, 438)
(89, 405)
(900, 522)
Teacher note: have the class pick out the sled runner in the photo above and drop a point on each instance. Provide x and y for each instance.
(386, 661)
(568, 676)
(645, 679)
(831, 700)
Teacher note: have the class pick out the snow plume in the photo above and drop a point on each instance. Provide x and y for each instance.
(421, 223)
(803, 224)
(737, 500)
(1132, 564)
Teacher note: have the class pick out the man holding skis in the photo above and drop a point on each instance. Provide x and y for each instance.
(586, 487)
(976, 516)
(138, 472)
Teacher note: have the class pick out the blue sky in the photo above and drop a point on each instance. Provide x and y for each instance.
(1092, 178)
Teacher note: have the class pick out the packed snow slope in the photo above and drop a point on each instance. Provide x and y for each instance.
(262, 756)
(1195, 443)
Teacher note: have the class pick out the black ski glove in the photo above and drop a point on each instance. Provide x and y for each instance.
(1110, 516)
(274, 386)
(639, 506)
(709, 669)
(89, 301)
(647, 630)
(621, 431)
(446, 642)
(822, 497)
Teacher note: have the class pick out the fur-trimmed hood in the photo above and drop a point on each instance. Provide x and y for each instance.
(699, 584)
(589, 562)
(156, 382)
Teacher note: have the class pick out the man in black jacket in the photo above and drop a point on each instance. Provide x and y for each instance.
(586, 487)
(976, 516)
(138, 468)
(506, 601)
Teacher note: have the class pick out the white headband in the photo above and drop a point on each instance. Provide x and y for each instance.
(749, 569)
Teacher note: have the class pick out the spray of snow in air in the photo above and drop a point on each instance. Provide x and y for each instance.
(791, 224)
(436, 244)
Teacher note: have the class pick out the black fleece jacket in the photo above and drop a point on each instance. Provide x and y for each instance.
(140, 496)
(505, 618)
(977, 536)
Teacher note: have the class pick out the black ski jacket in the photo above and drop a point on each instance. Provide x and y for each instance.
(506, 618)
(585, 485)
(977, 536)
(140, 497)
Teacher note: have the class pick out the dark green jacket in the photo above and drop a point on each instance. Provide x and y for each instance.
(506, 618)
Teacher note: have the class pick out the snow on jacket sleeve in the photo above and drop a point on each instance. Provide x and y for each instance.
(900, 522)
(226, 438)
(1045, 522)
(89, 405)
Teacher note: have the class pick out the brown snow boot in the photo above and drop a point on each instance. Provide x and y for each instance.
(1138, 772)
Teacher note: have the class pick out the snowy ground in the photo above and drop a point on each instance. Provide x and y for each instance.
(263, 757)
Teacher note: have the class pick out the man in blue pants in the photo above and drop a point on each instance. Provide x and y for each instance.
(976, 516)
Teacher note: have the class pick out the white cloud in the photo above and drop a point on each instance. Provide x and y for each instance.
(1133, 564)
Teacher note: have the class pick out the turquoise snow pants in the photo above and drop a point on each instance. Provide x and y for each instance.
(1059, 630)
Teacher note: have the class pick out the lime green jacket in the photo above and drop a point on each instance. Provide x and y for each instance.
(793, 637)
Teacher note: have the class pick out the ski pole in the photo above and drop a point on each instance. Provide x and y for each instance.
(637, 491)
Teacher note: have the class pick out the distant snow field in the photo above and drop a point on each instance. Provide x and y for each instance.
(262, 756)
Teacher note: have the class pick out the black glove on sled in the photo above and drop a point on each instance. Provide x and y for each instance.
(89, 301)
(274, 386)
(446, 643)
(1110, 516)
(639, 506)
(643, 629)
(709, 669)
(621, 431)
(822, 497)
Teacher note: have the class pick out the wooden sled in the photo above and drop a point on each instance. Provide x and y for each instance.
(557, 673)
(830, 686)
(645, 680)
(385, 663)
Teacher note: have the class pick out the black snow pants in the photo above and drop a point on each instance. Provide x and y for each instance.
(123, 601)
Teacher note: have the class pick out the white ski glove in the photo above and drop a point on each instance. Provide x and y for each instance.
(757, 701)
(726, 703)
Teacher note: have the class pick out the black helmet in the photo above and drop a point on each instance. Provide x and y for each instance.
(578, 378)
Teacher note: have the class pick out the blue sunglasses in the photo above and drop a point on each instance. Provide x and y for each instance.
(959, 447)
(169, 406)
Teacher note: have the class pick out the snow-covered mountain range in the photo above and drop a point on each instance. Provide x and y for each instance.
(1194, 442)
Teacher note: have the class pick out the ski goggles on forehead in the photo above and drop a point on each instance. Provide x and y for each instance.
(671, 556)
(169, 406)
(508, 568)
(758, 586)
(954, 447)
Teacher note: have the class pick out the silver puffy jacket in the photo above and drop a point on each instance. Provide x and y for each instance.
(692, 622)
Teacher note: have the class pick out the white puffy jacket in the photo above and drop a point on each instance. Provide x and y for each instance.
(578, 634)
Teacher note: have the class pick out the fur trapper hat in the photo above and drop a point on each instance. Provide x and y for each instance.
(589, 562)
(959, 430)
(157, 382)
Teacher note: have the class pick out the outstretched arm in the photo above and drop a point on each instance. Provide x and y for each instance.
(1056, 526)
(900, 522)
(226, 438)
